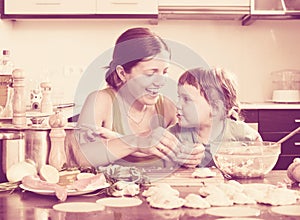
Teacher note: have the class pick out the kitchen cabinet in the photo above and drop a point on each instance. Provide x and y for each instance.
(274, 124)
(22, 9)
(246, 11)
(272, 10)
(49, 7)
(127, 7)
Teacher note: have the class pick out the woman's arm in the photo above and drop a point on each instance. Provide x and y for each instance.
(101, 152)
(94, 131)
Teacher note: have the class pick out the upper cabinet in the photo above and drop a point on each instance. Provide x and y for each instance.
(272, 10)
(34, 7)
(127, 7)
(245, 11)
(275, 7)
(13, 9)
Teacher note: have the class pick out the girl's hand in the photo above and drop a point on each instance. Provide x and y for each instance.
(190, 155)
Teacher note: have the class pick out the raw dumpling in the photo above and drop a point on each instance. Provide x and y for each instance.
(203, 172)
(242, 199)
(279, 196)
(195, 201)
(219, 199)
(162, 187)
(166, 201)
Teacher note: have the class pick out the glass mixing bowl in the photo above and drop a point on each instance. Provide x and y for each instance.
(242, 159)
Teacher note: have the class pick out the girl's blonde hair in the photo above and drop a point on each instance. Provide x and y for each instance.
(215, 84)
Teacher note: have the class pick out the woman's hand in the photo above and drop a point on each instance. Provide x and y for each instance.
(190, 154)
(159, 142)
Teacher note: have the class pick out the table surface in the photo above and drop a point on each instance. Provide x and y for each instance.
(27, 205)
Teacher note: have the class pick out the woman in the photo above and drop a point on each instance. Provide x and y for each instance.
(123, 123)
(208, 110)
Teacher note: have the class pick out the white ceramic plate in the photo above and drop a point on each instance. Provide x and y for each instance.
(78, 207)
(232, 211)
(120, 201)
(290, 210)
(71, 192)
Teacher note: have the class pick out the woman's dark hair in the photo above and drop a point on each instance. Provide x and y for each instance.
(133, 46)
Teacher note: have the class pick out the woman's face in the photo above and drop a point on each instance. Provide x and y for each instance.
(146, 79)
(193, 110)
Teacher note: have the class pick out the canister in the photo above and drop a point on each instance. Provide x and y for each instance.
(12, 145)
(37, 145)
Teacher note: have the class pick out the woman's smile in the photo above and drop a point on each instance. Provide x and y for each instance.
(152, 91)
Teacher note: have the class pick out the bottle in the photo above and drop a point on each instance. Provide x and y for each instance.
(6, 90)
(7, 66)
(8, 108)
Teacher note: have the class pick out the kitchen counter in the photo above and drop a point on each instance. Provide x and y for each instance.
(27, 205)
(269, 105)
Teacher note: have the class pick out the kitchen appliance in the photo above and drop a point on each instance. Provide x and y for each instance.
(204, 9)
(286, 86)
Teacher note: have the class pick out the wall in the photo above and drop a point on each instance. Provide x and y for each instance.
(5, 34)
(57, 49)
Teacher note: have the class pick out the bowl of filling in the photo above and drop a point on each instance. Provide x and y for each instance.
(242, 159)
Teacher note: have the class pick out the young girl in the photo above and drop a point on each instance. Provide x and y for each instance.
(208, 110)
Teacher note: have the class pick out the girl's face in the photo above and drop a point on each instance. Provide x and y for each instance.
(147, 78)
(193, 110)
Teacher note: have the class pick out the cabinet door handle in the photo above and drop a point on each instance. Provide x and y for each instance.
(297, 120)
(124, 2)
(47, 3)
(297, 144)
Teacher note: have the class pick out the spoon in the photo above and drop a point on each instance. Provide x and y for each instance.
(292, 133)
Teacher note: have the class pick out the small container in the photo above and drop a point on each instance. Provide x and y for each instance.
(286, 86)
(12, 146)
(37, 145)
(6, 65)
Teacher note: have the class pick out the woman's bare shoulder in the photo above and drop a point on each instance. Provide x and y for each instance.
(103, 94)
(97, 108)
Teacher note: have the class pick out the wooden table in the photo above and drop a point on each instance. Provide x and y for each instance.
(27, 205)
